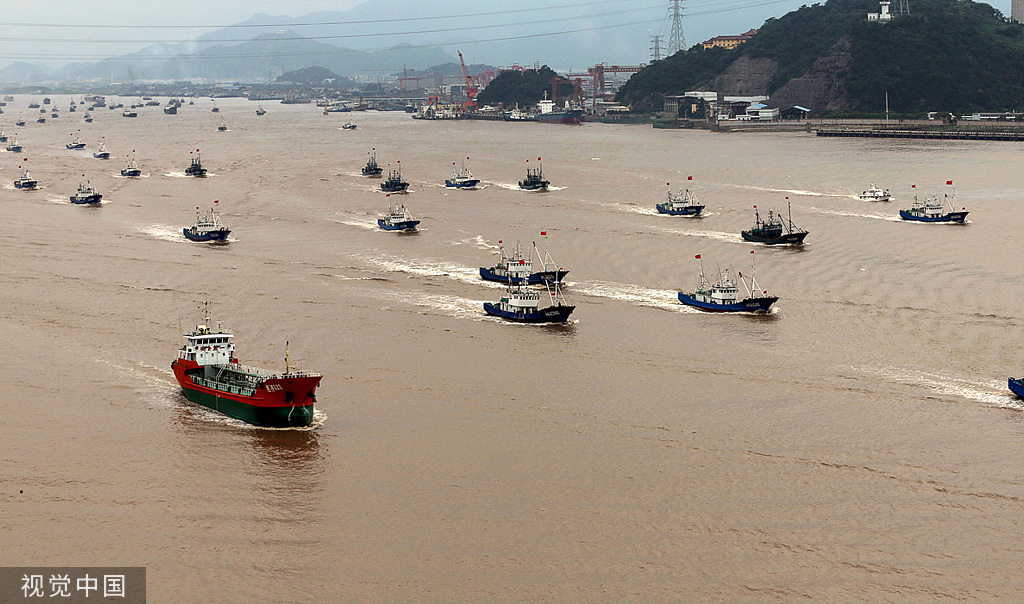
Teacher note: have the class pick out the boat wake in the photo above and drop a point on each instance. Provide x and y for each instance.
(453, 306)
(164, 232)
(479, 242)
(716, 235)
(131, 177)
(856, 214)
(990, 392)
(635, 209)
(369, 224)
(426, 268)
(183, 175)
(635, 294)
(789, 191)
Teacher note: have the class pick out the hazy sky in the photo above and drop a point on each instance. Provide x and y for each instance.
(29, 35)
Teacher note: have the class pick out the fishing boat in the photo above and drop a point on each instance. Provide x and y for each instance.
(14, 146)
(85, 194)
(394, 183)
(515, 115)
(348, 126)
(398, 218)
(41, 120)
(131, 170)
(372, 169)
(215, 109)
(534, 180)
(1017, 387)
(684, 204)
(171, 110)
(33, 105)
(260, 110)
(209, 374)
(932, 210)
(518, 267)
(75, 143)
(196, 168)
(522, 305)
(774, 230)
(873, 193)
(20, 122)
(130, 113)
(3, 137)
(25, 181)
(88, 118)
(101, 152)
(723, 296)
(207, 228)
(461, 178)
(223, 127)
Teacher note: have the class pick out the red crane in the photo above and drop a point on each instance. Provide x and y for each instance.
(470, 87)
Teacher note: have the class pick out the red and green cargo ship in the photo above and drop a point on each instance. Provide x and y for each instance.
(209, 374)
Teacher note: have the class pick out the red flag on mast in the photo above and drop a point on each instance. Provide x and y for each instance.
(697, 256)
(949, 182)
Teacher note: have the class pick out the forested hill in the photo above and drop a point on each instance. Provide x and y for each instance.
(947, 55)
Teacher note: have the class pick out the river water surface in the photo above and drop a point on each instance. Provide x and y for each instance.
(856, 444)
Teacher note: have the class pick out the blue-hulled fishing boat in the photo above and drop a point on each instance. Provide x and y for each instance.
(723, 296)
(398, 218)
(207, 228)
(518, 267)
(933, 210)
(461, 178)
(681, 204)
(522, 305)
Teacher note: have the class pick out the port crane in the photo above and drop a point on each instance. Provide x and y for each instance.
(471, 89)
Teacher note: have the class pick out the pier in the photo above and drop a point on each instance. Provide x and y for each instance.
(973, 134)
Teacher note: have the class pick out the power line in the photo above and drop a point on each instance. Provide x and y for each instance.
(334, 37)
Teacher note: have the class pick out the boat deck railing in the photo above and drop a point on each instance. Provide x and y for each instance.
(263, 374)
(233, 388)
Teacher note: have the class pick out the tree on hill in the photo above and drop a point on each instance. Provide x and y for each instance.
(948, 55)
(523, 88)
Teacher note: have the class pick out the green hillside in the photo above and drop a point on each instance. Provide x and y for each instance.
(947, 55)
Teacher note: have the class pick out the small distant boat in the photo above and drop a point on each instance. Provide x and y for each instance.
(933, 210)
(371, 168)
(394, 183)
(101, 152)
(518, 267)
(196, 168)
(46, 100)
(462, 178)
(223, 127)
(260, 110)
(25, 181)
(33, 105)
(13, 146)
(88, 118)
(215, 109)
(774, 230)
(522, 305)
(875, 194)
(129, 113)
(348, 126)
(684, 204)
(398, 219)
(41, 120)
(131, 170)
(534, 180)
(207, 228)
(20, 122)
(151, 103)
(724, 295)
(3, 137)
(171, 110)
(85, 194)
(76, 143)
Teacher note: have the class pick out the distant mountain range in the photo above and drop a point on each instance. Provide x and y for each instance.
(362, 41)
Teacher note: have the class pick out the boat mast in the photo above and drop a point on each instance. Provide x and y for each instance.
(286, 367)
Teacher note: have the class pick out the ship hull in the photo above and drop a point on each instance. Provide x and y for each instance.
(687, 211)
(1016, 387)
(29, 186)
(748, 305)
(273, 409)
(571, 117)
(211, 237)
(131, 173)
(373, 173)
(551, 314)
(197, 173)
(84, 199)
(791, 238)
(951, 217)
(405, 225)
(538, 278)
(461, 184)
(533, 186)
(394, 188)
